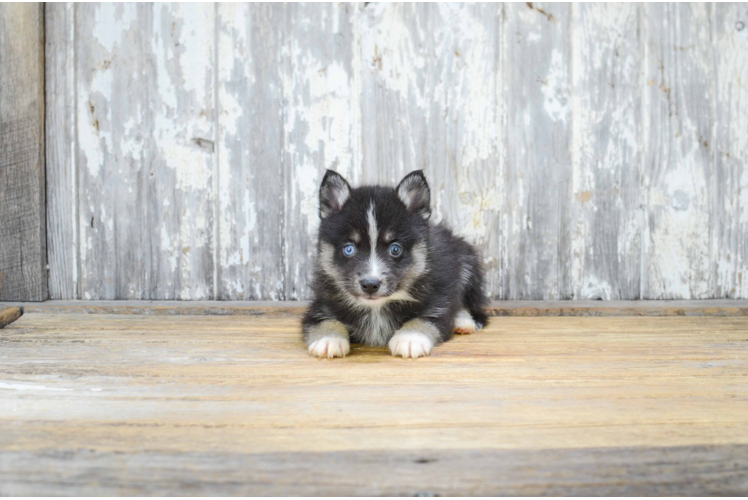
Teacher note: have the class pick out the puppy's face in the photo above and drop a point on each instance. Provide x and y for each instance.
(373, 239)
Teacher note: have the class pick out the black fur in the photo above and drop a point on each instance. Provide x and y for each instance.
(453, 279)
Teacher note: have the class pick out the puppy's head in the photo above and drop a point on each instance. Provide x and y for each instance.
(373, 239)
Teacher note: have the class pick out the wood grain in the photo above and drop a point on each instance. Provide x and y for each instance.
(226, 404)
(678, 125)
(23, 250)
(730, 153)
(538, 175)
(606, 104)
(145, 132)
(636, 471)
(318, 124)
(465, 132)
(61, 144)
(251, 167)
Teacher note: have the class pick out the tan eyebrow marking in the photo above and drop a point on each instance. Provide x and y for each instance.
(389, 236)
(356, 237)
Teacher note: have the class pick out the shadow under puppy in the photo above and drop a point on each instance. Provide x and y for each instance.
(385, 276)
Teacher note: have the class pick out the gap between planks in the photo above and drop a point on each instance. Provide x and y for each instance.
(721, 307)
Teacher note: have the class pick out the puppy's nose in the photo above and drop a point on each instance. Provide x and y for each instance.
(370, 285)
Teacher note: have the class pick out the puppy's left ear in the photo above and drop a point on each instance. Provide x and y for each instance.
(333, 193)
(414, 191)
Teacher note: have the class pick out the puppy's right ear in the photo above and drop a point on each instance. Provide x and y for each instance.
(333, 194)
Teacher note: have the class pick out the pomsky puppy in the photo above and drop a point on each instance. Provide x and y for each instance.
(385, 276)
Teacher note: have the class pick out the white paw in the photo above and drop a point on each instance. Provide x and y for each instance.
(330, 347)
(410, 344)
(464, 323)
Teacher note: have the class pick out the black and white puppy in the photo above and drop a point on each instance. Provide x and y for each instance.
(385, 276)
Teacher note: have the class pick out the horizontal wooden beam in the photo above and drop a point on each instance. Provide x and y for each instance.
(292, 308)
(699, 470)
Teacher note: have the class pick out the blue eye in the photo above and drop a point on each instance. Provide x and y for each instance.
(396, 250)
(349, 249)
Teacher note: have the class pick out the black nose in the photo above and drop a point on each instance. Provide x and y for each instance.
(370, 285)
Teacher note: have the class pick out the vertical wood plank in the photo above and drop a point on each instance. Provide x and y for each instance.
(394, 83)
(538, 167)
(678, 107)
(606, 106)
(23, 255)
(62, 185)
(432, 101)
(250, 155)
(465, 107)
(730, 152)
(113, 162)
(318, 124)
(145, 136)
(181, 189)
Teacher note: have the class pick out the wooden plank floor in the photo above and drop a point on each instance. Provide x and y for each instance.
(101, 404)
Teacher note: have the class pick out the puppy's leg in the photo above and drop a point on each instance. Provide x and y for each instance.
(414, 339)
(473, 298)
(327, 339)
(464, 323)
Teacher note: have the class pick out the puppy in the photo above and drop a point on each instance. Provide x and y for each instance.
(385, 276)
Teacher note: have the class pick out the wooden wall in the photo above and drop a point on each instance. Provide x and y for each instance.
(23, 255)
(590, 150)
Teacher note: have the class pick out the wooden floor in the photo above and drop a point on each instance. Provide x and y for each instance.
(102, 404)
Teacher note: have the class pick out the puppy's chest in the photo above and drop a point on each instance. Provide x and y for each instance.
(376, 327)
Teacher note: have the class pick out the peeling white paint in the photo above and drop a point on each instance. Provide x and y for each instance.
(112, 20)
(555, 88)
(375, 91)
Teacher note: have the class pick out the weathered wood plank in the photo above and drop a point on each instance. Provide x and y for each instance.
(431, 81)
(318, 124)
(23, 241)
(678, 143)
(394, 90)
(220, 404)
(538, 174)
(606, 158)
(114, 134)
(250, 159)
(626, 471)
(464, 109)
(62, 180)
(145, 132)
(181, 188)
(730, 152)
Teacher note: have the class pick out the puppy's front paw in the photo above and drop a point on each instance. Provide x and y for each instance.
(410, 344)
(330, 347)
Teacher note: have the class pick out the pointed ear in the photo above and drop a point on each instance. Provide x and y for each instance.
(414, 191)
(333, 194)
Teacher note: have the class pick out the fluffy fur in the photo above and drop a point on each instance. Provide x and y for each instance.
(368, 292)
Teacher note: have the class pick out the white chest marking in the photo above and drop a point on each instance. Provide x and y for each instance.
(376, 328)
